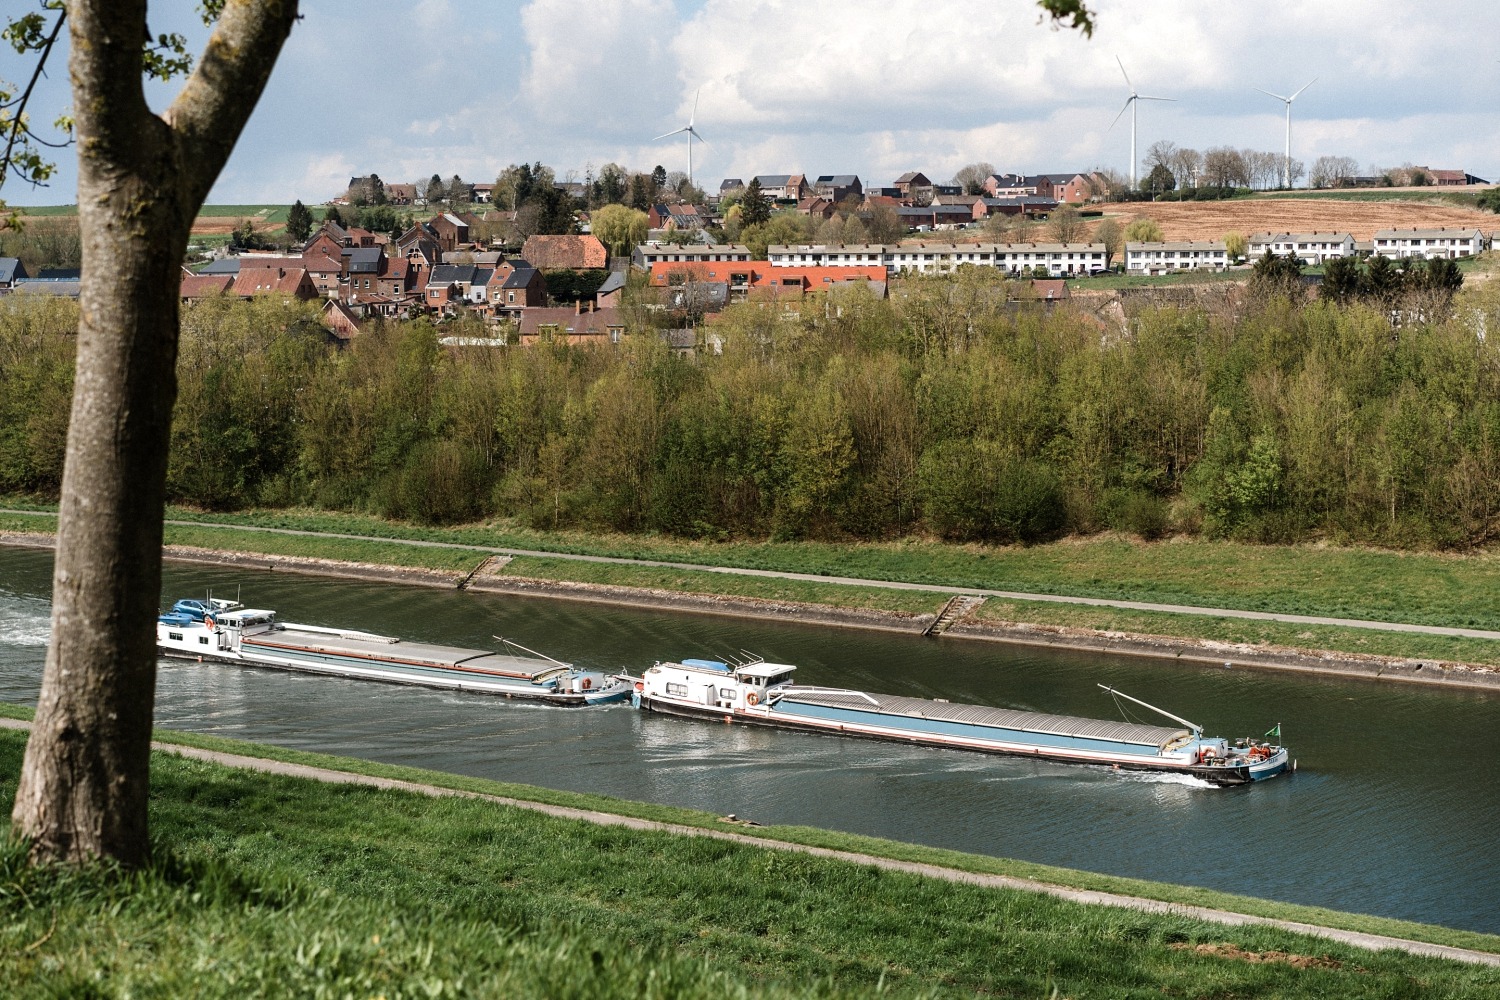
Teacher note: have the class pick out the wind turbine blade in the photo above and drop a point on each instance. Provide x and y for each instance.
(1309, 83)
(692, 117)
(694, 133)
(1277, 96)
(1122, 111)
(668, 135)
(1125, 75)
(1143, 97)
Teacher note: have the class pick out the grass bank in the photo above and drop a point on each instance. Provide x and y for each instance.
(274, 886)
(1421, 588)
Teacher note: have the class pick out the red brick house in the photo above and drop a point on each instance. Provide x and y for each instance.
(289, 282)
(572, 326)
(450, 231)
(202, 286)
(340, 320)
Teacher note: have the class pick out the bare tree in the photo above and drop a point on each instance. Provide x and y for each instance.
(1186, 166)
(1065, 224)
(1333, 171)
(1224, 167)
(1161, 153)
(972, 177)
(141, 179)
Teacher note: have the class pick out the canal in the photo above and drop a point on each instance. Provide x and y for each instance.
(1391, 812)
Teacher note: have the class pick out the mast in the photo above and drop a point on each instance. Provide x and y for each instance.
(1197, 729)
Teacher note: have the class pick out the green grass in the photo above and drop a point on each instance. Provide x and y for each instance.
(1423, 588)
(272, 886)
(1408, 645)
(45, 211)
(695, 582)
(1432, 196)
(267, 214)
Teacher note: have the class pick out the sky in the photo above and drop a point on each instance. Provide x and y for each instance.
(872, 87)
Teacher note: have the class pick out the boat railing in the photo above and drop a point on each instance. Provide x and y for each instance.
(809, 689)
(342, 633)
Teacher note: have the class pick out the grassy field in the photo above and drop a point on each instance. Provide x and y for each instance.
(1428, 195)
(1423, 588)
(275, 887)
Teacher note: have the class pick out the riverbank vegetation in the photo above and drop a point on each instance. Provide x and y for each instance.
(268, 886)
(944, 411)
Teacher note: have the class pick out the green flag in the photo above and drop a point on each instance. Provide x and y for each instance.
(1276, 731)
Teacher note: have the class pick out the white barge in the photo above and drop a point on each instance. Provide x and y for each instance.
(227, 632)
(759, 693)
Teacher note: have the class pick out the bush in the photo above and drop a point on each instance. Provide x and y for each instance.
(974, 492)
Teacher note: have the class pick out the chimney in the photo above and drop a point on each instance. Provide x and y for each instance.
(578, 308)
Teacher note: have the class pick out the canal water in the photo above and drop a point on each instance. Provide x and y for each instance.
(1393, 811)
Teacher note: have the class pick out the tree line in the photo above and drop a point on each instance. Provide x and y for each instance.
(946, 410)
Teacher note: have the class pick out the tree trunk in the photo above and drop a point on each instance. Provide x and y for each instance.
(84, 783)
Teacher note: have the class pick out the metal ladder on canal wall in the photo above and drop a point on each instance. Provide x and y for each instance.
(958, 605)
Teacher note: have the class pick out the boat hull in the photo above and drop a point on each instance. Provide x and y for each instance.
(414, 676)
(1215, 774)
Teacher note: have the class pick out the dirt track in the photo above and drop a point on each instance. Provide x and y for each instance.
(1210, 220)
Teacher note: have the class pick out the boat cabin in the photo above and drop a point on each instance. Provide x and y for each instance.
(716, 684)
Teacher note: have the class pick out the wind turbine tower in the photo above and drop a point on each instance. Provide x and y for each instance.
(692, 133)
(1130, 104)
(1286, 176)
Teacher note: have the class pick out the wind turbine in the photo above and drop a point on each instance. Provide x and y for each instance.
(692, 134)
(1130, 104)
(1287, 175)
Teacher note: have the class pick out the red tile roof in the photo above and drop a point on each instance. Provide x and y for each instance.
(570, 321)
(763, 274)
(196, 286)
(576, 252)
(261, 280)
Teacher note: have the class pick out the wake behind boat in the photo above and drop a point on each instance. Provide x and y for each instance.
(759, 693)
(226, 631)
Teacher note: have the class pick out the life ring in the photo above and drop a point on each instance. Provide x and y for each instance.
(588, 682)
(640, 685)
(209, 621)
(751, 699)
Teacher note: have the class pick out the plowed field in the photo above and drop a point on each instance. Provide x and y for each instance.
(1210, 220)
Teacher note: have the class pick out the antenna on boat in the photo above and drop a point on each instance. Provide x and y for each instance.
(754, 657)
(517, 645)
(1197, 729)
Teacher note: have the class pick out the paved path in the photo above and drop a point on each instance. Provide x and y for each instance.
(1009, 595)
(1373, 942)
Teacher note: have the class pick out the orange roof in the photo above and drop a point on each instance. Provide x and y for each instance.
(762, 274)
(576, 252)
(257, 280)
(198, 285)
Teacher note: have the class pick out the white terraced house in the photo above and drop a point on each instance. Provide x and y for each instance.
(1398, 243)
(1314, 248)
(1056, 259)
(1180, 255)
(654, 253)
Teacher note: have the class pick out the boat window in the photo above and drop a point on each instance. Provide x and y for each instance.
(203, 640)
(175, 635)
(677, 689)
(726, 693)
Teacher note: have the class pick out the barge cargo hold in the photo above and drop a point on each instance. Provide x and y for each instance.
(227, 632)
(760, 693)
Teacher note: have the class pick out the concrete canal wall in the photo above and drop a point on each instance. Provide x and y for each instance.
(1164, 649)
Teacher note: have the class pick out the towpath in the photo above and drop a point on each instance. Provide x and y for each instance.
(1010, 595)
(1372, 942)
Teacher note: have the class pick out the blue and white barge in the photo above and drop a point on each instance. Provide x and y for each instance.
(760, 693)
(228, 632)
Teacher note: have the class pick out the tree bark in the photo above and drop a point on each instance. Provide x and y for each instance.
(142, 179)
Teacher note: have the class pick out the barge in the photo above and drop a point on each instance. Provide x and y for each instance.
(760, 693)
(227, 632)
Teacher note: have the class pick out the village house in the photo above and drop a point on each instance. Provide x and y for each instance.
(1179, 255)
(1442, 242)
(914, 186)
(572, 326)
(203, 286)
(942, 258)
(837, 187)
(523, 288)
(646, 254)
(450, 231)
(1313, 248)
(401, 194)
(783, 187)
(287, 282)
(741, 279)
(577, 253)
(341, 322)
(11, 271)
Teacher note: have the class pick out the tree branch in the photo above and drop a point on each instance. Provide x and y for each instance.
(211, 112)
(18, 125)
